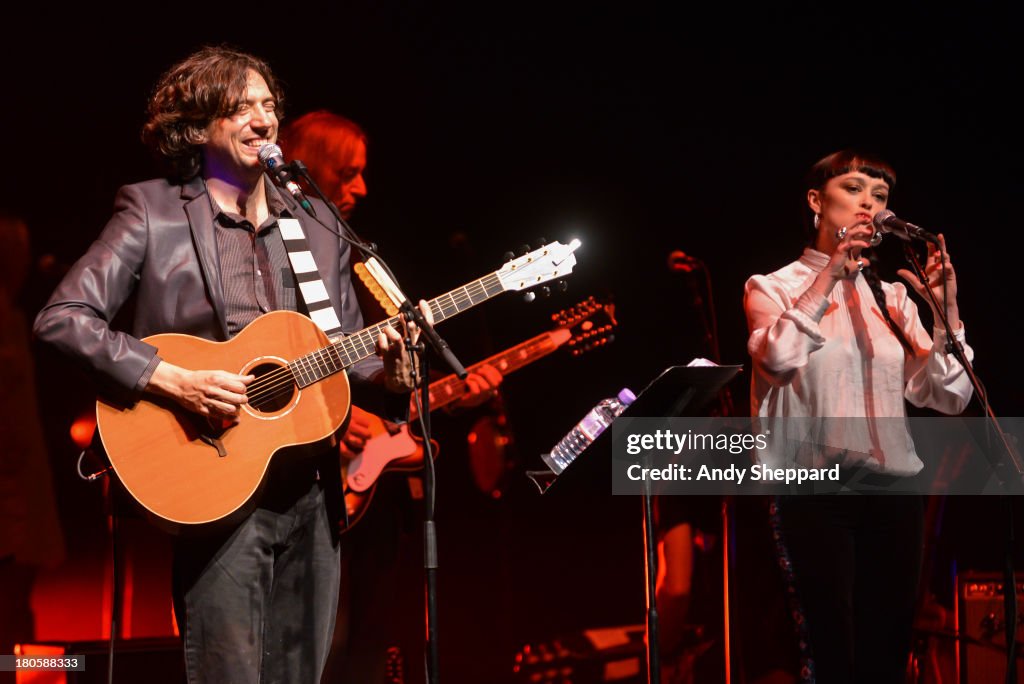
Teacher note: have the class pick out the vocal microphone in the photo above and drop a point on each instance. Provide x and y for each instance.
(272, 158)
(887, 222)
(684, 263)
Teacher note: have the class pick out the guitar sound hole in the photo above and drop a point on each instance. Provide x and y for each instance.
(272, 390)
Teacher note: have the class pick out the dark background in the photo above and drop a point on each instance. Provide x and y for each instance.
(635, 128)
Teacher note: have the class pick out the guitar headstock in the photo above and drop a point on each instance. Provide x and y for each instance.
(591, 324)
(374, 288)
(550, 262)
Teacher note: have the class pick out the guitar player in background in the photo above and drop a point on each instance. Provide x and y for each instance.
(200, 251)
(373, 623)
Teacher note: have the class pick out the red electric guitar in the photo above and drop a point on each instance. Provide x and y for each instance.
(586, 326)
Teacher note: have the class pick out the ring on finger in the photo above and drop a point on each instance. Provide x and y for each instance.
(860, 265)
(876, 238)
(841, 233)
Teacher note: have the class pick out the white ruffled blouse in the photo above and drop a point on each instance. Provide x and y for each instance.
(836, 357)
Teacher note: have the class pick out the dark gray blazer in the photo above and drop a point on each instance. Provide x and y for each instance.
(160, 247)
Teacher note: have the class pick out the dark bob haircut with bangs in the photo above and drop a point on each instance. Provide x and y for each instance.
(205, 86)
(848, 161)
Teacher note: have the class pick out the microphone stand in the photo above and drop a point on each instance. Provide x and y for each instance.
(430, 560)
(651, 569)
(708, 317)
(709, 321)
(414, 315)
(431, 652)
(957, 350)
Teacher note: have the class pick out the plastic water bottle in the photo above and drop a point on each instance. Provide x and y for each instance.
(587, 430)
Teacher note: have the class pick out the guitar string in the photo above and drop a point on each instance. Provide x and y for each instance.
(317, 365)
(271, 391)
(287, 375)
(292, 369)
(451, 388)
(270, 385)
(275, 383)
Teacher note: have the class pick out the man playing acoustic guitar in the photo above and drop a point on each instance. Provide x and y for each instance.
(201, 252)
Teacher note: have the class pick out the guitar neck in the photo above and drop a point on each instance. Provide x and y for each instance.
(450, 389)
(354, 348)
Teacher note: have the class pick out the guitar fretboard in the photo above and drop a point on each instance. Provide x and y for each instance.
(355, 347)
(450, 388)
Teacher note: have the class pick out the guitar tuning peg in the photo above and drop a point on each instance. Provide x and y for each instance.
(508, 256)
(529, 297)
(563, 286)
(524, 249)
(542, 241)
(545, 291)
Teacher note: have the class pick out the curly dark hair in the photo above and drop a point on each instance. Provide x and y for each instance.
(205, 86)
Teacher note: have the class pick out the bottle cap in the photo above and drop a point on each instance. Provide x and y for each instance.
(626, 396)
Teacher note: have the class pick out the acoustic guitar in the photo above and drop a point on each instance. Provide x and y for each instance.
(186, 471)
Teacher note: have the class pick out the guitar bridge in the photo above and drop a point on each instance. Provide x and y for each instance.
(215, 443)
(214, 429)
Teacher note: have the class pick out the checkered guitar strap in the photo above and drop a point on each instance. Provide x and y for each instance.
(311, 286)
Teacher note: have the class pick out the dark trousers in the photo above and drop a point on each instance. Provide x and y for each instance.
(856, 560)
(257, 606)
(380, 606)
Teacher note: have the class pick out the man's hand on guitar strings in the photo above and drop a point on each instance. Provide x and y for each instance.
(398, 366)
(212, 393)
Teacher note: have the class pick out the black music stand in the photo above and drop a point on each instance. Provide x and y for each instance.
(677, 391)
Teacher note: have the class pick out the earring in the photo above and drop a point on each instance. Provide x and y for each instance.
(817, 220)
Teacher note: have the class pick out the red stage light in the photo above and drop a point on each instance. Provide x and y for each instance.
(82, 429)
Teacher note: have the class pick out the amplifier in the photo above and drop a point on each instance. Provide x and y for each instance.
(982, 622)
(609, 654)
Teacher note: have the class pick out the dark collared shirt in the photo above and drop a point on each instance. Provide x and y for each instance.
(254, 268)
(255, 271)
